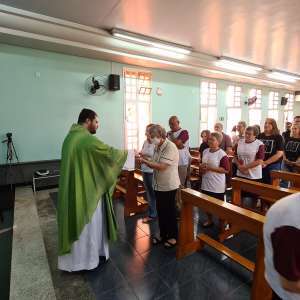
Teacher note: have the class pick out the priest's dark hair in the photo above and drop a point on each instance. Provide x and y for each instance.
(86, 114)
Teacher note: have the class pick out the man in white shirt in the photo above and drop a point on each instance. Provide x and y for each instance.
(180, 137)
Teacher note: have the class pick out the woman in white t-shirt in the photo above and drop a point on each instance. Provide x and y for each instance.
(147, 153)
(249, 155)
(214, 166)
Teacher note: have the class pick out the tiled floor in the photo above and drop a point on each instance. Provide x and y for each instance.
(138, 270)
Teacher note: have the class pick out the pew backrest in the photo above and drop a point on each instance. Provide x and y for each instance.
(267, 192)
(293, 178)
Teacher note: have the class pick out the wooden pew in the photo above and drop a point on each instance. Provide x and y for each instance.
(229, 175)
(195, 156)
(293, 178)
(267, 192)
(249, 221)
(130, 186)
(195, 177)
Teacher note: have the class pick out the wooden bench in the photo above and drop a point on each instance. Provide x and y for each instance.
(130, 186)
(267, 192)
(249, 221)
(230, 174)
(195, 156)
(293, 178)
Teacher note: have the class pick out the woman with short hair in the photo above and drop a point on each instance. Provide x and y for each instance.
(249, 155)
(165, 183)
(214, 166)
(204, 145)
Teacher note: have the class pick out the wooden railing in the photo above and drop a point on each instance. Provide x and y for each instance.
(266, 192)
(293, 178)
(247, 220)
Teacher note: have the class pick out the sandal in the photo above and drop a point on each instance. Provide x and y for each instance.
(169, 245)
(156, 241)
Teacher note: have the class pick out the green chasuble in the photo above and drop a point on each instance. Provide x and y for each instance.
(89, 171)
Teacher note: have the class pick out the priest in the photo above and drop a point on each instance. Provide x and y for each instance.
(86, 220)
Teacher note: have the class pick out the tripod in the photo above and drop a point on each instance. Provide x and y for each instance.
(10, 154)
(11, 150)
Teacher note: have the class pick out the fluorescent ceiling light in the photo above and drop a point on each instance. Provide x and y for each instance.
(166, 53)
(237, 66)
(248, 77)
(149, 41)
(283, 76)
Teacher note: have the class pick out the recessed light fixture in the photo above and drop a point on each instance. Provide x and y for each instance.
(283, 76)
(238, 66)
(157, 46)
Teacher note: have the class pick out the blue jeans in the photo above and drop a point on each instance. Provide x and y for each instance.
(148, 179)
(284, 167)
(266, 176)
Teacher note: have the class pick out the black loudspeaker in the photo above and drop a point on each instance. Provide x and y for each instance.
(284, 100)
(114, 82)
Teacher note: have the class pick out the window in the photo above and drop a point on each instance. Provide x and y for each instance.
(255, 108)
(233, 102)
(137, 107)
(288, 108)
(273, 105)
(208, 107)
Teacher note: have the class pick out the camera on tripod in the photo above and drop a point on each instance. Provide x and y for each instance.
(11, 151)
(9, 138)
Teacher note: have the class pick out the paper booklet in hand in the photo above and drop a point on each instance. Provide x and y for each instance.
(130, 161)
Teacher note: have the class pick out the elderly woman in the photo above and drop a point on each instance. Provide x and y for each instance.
(214, 166)
(249, 155)
(204, 145)
(240, 127)
(226, 143)
(165, 183)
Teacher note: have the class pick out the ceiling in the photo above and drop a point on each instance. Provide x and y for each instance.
(262, 32)
(265, 33)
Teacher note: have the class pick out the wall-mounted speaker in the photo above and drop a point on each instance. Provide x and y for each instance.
(297, 96)
(114, 82)
(284, 100)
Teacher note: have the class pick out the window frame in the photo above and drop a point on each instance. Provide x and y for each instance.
(273, 107)
(135, 101)
(209, 104)
(256, 106)
(288, 108)
(235, 105)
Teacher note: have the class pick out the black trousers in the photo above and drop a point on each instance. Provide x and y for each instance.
(166, 211)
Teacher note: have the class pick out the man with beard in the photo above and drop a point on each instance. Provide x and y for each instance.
(86, 221)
